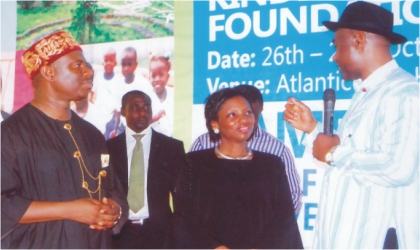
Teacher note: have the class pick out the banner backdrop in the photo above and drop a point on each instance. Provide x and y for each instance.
(105, 30)
(282, 48)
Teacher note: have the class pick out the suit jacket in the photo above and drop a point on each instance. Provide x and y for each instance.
(167, 156)
(4, 114)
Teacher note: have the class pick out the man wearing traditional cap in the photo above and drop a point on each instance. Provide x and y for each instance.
(372, 183)
(57, 190)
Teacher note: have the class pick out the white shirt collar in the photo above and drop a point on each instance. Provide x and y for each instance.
(129, 133)
(376, 77)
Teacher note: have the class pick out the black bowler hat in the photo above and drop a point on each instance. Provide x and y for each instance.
(367, 17)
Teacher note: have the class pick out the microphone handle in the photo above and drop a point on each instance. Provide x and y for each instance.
(328, 117)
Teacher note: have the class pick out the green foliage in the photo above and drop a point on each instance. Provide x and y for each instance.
(29, 19)
(106, 33)
(26, 5)
(162, 7)
(158, 30)
(47, 3)
(84, 20)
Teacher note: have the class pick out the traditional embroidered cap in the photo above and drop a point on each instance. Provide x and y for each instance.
(367, 17)
(48, 50)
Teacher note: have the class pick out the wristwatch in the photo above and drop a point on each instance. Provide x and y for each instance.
(329, 157)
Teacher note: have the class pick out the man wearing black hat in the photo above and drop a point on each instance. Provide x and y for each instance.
(372, 183)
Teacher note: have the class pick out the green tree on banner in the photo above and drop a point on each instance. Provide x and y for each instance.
(84, 21)
(26, 5)
(47, 3)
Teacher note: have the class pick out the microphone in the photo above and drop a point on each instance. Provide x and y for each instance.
(329, 101)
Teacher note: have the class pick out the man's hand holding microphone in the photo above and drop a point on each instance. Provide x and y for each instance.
(300, 117)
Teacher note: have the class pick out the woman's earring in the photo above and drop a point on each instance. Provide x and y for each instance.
(216, 131)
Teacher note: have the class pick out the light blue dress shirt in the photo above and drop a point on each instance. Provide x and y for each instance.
(375, 182)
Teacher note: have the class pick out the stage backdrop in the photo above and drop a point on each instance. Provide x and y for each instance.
(282, 48)
(101, 27)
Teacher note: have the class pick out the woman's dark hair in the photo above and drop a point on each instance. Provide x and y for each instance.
(251, 93)
(213, 104)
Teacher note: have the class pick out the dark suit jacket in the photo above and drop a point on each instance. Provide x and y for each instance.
(4, 114)
(167, 156)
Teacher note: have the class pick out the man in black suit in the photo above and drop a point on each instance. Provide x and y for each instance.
(4, 115)
(163, 158)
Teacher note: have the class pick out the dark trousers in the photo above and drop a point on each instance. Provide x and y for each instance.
(391, 241)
